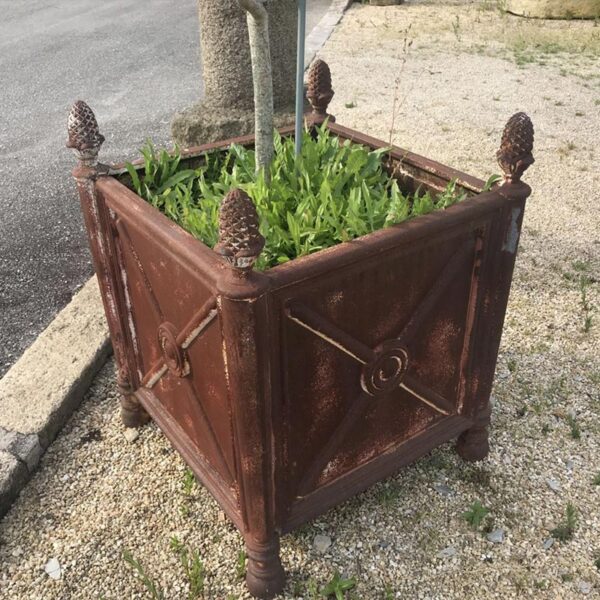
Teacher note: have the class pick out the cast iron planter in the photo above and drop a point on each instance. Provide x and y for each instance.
(290, 390)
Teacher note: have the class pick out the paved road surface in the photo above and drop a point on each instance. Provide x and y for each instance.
(135, 64)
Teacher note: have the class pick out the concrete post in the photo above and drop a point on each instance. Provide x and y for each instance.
(227, 109)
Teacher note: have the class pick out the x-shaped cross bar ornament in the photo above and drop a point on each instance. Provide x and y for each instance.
(385, 367)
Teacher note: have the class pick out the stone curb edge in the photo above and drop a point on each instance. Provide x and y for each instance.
(46, 385)
(324, 28)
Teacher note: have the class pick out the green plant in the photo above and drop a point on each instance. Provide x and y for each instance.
(388, 593)
(574, 425)
(312, 589)
(153, 588)
(564, 532)
(240, 564)
(192, 565)
(586, 306)
(332, 193)
(476, 514)
(189, 482)
(597, 563)
(596, 480)
(338, 586)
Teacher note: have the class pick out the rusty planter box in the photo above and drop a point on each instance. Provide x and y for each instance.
(289, 391)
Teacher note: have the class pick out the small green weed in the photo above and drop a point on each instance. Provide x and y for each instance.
(193, 567)
(564, 532)
(189, 482)
(512, 365)
(240, 564)
(154, 589)
(596, 480)
(597, 563)
(586, 306)
(574, 426)
(312, 589)
(350, 104)
(337, 587)
(476, 514)
(333, 193)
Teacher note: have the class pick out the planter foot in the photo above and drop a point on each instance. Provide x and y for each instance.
(265, 576)
(132, 412)
(473, 444)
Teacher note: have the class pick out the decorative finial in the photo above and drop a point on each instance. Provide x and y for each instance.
(84, 135)
(319, 92)
(240, 241)
(515, 154)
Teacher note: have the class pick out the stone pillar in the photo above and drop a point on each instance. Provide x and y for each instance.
(227, 109)
(555, 9)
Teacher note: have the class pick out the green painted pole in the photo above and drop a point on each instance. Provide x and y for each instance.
(300, 75)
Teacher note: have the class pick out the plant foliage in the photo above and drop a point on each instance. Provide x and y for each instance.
(332, 193)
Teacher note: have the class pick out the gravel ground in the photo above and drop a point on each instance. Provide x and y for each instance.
(97, 494)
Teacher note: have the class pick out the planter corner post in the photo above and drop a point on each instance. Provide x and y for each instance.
(243, 303)
(515, 156)
(85, 139)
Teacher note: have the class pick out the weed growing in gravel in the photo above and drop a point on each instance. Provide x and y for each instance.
(564, 532)
(476, 514)
(388, 495)
(312, 589)
(189, 482)
(154, 589)
(586, 306)
(240, 564)
(388, 593)
(574, 426)
(337, 587)
(596, 480)
(597, 563)
(332, 194)
(192, 565)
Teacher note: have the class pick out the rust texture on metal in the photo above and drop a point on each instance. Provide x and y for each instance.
(319, 92)
(290, 390)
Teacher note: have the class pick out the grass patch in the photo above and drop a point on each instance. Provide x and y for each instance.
(193, 567)
(154, 589)
(476, 514)
(565, 531)
(574, 427)
(332, 194)
(337, 587)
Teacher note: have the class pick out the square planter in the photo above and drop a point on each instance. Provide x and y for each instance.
(290, 390)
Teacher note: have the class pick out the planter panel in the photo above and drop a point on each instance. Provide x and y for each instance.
(409, 306)
(177, 332)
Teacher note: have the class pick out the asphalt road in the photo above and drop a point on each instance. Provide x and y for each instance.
(135, 64)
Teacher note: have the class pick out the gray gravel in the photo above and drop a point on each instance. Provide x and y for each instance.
(97, 494)
(136, 64)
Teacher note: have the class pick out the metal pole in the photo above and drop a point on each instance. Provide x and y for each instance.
(300, 75)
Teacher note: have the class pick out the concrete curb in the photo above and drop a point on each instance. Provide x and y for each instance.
(46, 385)
(324, 28)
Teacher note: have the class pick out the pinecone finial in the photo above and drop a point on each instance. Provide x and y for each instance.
(240, 241)
(515, 153)
(319, 91)
(84, 135)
